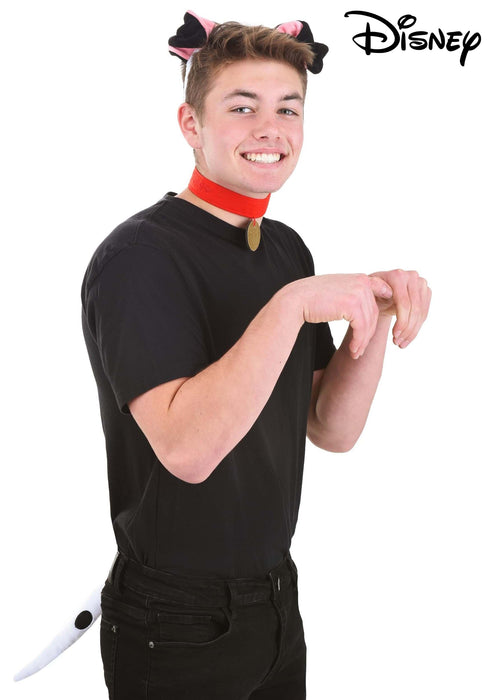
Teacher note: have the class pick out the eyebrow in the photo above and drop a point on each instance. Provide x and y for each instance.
(254, 96)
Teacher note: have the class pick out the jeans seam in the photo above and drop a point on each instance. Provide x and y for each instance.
(148, 654)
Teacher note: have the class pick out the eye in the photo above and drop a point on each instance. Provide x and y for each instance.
(242, 110)
(288, 112)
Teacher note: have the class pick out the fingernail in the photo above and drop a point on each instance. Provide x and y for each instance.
(397, 335)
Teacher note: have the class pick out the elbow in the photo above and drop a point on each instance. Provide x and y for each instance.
(333, 440)
(334, 443)
(336, 447)
(339, 447)
(185, 467)
(187, 472)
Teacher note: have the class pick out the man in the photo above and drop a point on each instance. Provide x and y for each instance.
(208, 335)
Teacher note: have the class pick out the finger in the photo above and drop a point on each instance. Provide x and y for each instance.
(363, 324)
(359, 341)
(420, 296)
(359, 324)
(372, 313)
(403, 305)
(414, 320)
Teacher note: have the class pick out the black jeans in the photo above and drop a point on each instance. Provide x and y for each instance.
(166, 637)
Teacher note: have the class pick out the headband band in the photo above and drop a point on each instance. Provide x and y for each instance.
(194, 33)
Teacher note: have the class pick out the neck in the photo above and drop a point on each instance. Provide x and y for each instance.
(233, 219)
(232, 207)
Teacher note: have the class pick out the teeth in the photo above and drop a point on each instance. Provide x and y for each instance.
(263, 157)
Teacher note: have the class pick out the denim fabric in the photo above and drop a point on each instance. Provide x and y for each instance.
(166, 637)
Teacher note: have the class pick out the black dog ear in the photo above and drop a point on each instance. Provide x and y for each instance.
(300, 30)
(320, 50)
(190, 36)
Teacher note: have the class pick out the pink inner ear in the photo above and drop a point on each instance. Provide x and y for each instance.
(183, 53)
(206, 23)
(293, 28)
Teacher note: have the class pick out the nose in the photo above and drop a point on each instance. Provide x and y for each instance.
(267, 128)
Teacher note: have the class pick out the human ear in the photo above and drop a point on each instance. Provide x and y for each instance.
(189, 125)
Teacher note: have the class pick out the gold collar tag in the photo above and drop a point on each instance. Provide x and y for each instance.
(253, 235)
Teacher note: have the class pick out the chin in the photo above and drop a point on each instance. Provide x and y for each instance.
(266, 184)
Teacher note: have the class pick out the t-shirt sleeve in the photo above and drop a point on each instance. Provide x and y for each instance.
(146, 322)
(324, 348)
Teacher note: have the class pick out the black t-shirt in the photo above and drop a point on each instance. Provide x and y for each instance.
(167, 293)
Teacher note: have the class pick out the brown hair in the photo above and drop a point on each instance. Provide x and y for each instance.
(230, 42)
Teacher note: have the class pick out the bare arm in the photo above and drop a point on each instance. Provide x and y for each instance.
(193, 423)
(343, 393)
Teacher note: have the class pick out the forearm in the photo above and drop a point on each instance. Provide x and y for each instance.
(212, 411)
(192, 424)
(346, 392)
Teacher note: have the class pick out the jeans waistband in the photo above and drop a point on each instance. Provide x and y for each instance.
(126, 572)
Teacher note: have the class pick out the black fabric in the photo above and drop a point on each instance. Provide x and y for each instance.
(179, 638)
(319, 50)
(167, 293)
(191, 35)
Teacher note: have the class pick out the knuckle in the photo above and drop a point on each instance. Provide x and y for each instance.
(361, 281)
(414, 277)
(397, 277)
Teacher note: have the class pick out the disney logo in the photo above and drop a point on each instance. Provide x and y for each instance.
(419, 40)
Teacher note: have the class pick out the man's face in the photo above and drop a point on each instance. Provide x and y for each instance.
(251, 131)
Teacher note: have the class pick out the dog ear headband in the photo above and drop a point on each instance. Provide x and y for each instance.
(194, 33)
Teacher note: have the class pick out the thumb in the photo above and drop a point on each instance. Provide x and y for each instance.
(380, 288)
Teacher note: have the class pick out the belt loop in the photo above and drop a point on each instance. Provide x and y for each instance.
(275, 580)
(116, 572)
(293, 569)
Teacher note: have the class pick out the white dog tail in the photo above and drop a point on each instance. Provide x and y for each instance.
(87, 613)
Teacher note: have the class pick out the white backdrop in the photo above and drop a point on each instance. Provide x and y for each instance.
(393, 538)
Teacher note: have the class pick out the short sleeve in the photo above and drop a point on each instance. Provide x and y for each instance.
(325, 347)
(146, 323)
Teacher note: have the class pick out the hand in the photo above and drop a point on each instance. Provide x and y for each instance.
(351, 297)
(409, 303)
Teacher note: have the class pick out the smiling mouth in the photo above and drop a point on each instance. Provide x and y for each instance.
(263, 157)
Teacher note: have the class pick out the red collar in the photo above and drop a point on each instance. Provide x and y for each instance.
(226, 199)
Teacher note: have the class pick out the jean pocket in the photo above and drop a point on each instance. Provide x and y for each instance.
(192, 627)
(109, 633)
